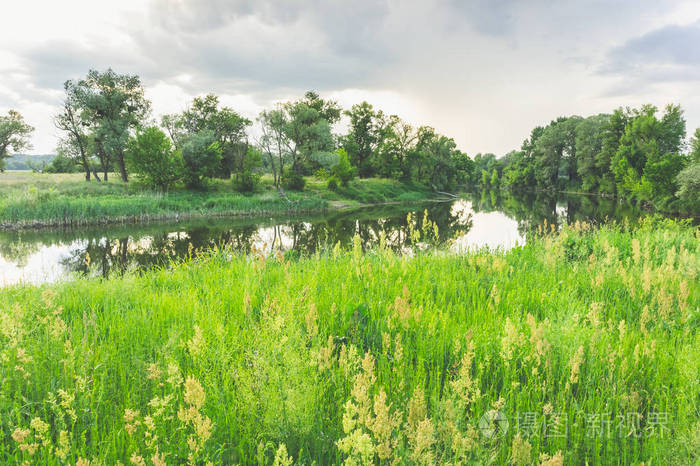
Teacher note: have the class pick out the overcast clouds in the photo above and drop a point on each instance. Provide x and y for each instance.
(483, 72)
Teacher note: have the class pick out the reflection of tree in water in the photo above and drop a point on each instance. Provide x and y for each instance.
(531, 209)
(309, 237)
(14, 249)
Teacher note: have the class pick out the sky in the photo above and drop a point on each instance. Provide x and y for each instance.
(483, 72)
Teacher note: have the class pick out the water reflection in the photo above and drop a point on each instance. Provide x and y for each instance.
(482, 219)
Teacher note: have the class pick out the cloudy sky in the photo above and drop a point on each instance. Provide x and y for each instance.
(481, 71)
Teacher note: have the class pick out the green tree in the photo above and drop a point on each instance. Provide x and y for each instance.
(229, 128)
(308, 129)
(61, 164)
(201, 154)
(368, 131)
(152, 157)
(589, 143)
(14, 135)
(114, 105)
(71, 120)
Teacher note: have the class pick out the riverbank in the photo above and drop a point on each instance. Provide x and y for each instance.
(367, 356)
(30, 200)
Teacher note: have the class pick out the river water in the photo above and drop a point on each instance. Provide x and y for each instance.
(481, 220)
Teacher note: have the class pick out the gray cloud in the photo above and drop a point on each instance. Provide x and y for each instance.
(670, 53)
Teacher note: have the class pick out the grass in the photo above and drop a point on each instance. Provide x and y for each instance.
(367, 357)
(30, 199)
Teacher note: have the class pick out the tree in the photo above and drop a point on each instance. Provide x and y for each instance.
(61, 164)
(72, 121)
(228, 126)
(308, 129)
(368, 131)
(399, 142)
(589, 143)
(14, 135)
(201, 154)
(274, 143)
(648, 159)
(114, 105)
(152, 157)
(688, 181)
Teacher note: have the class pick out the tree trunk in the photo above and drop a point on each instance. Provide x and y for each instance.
(122, 167)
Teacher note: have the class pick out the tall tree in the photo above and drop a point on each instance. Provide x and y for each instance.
(71, 120)
(14, 135)
(308, 128)
(368, 130)
(115, 105)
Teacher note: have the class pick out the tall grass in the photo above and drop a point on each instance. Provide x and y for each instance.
(367, 357)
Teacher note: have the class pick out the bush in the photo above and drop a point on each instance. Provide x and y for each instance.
(343, 171)
(245, 182)
(333, 183)
(154, 160)
(293, 180)
(61, 164)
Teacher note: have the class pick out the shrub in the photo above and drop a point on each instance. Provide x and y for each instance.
(245, 182)
(151, 156)
(332, 183)
(293, 180)
(343, 170)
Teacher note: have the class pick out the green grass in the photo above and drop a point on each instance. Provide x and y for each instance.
(352, 356)
(29, 199)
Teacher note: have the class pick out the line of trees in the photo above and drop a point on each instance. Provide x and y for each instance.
(107, 127)
(630, 153)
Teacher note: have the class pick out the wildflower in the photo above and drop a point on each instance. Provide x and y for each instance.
(510, 342)
(383, 426)
(41, 430)
(154, 372)
(194, 393)
(131, 420)
(548, 408)
(325, 355)
(422, 445)
(466, 387)
(173, 375)
(312, 321)
(521, 451)
(576, 362)
(20, 435)
(158, 459)
(197, 344)
(556, 460)
(63, 447)
(282, 457)
(137, 460)
(644, 319)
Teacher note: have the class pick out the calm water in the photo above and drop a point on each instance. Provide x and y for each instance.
(484, 219)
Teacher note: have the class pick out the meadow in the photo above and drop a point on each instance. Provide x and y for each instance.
(37, 199)
(580, 347)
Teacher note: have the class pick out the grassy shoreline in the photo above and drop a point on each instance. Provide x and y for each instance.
(35, 200)
(351, 355)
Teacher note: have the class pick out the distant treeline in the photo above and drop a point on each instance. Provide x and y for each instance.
(29, 162)
(631, 153)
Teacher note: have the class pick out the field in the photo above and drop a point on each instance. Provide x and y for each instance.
(585, 342)
(32, 199)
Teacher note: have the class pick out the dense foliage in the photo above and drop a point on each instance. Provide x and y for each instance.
(631, 153)
(585, 341)
(14, 135)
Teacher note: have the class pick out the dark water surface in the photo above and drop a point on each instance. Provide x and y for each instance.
(484, 219)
